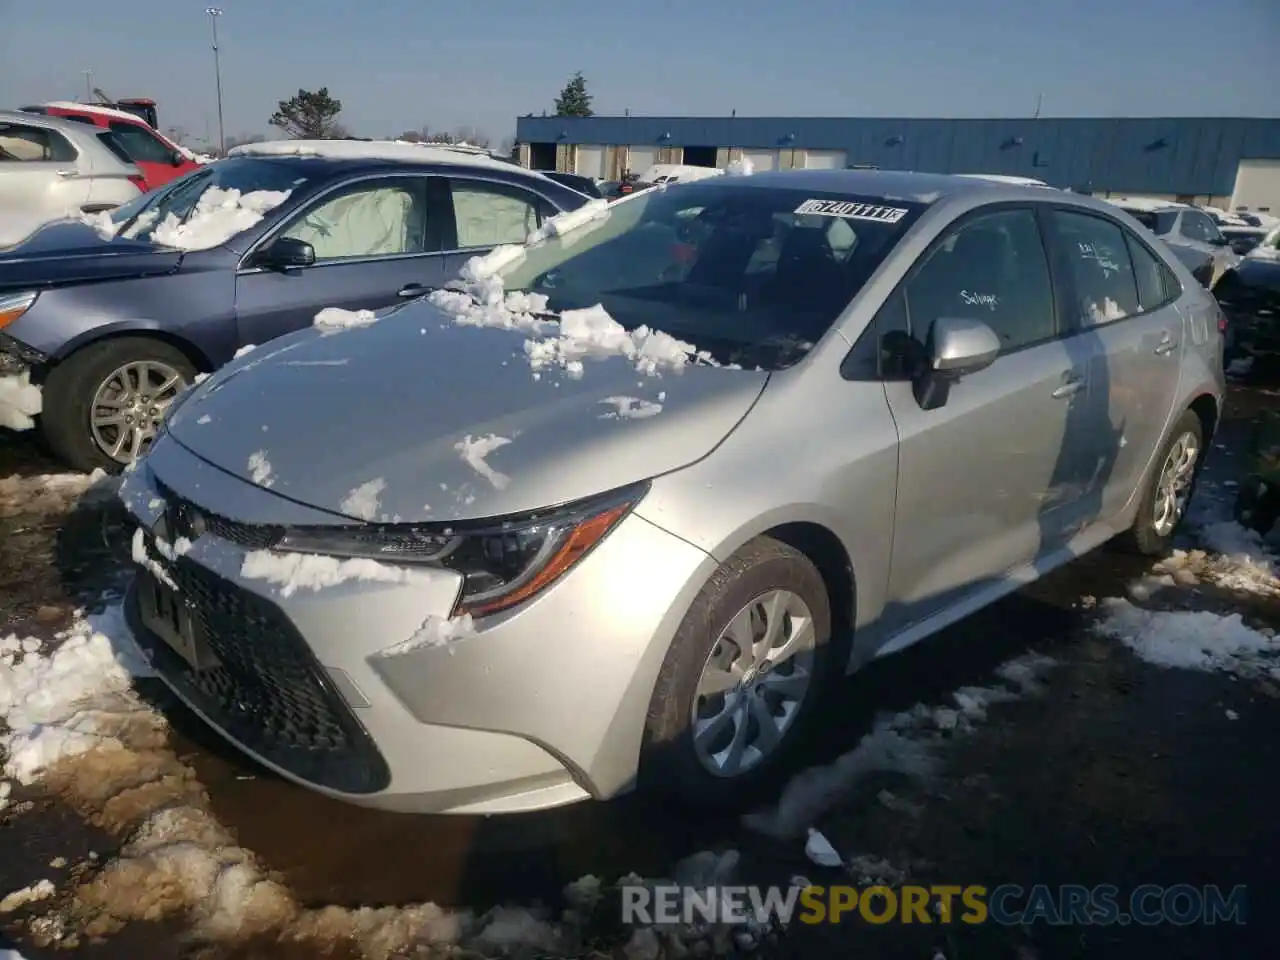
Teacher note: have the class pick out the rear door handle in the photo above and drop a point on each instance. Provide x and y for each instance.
(1166, 347)
(412, 290)
(67, 174)
(1070, 387)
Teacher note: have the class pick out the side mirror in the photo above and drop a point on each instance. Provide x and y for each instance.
(955, 348)
(284, 253)
(176, 159)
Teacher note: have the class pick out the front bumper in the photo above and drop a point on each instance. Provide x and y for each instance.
(17, 358)
(543, 706)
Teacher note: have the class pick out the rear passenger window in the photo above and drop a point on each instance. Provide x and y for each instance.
(23, 144)
(489, 214)
(1149, 272)
(1101, 270)
(992, 268)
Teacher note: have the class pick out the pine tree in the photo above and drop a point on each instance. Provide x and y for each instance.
(574, 101)
(309, 116)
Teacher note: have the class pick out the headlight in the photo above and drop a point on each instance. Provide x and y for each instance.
(14, 305)
(503, 562)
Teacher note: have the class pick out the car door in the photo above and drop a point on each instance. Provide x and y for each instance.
(377, 242)
(1124, 296)
(486, 214)
(986, 481)
(40, 174)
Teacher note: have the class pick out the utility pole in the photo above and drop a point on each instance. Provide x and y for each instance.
(214, 13)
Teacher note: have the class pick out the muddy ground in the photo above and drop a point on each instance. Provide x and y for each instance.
(1113, 770)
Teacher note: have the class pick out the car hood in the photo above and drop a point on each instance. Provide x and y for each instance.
(403, 420)
(68, 251)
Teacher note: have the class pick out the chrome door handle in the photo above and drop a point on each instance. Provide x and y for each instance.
(412, 290)
(1068, 389)
(67, 174)
(1167, 346)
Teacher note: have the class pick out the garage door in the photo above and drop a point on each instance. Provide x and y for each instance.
(824, 159)
(590, 161)
(1257, 185)
(762, 159)
(641, 159)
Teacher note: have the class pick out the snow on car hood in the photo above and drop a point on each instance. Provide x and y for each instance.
(415, 418)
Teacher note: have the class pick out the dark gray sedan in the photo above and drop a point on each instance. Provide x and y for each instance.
(111, 319)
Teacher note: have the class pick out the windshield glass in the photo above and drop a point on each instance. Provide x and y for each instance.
(1157, 223)
(755, 275)
(140, 216)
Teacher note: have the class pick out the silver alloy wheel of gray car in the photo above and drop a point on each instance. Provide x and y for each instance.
(754, 680)
(1174, 487)
(128, 407)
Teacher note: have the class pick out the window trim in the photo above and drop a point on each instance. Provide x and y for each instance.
(1129, 236)
(529, 196)
(869, 338)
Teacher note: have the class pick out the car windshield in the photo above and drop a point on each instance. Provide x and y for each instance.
(755, 275)
(1158, 223)
(137, 219)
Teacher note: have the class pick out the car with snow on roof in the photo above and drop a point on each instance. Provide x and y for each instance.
(616, 507)
(1188, 231)
(113, 318)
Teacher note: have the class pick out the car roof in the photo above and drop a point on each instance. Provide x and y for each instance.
(1145, 205)
(71, 128)
(94, 108)
(369, 150)
(889, 184)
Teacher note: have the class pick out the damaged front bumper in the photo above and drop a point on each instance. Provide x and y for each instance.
(16, 358)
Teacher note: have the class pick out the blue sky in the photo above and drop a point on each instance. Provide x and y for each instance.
(400, 64)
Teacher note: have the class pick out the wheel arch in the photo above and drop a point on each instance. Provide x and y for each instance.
(1206, 407)
(143, 329)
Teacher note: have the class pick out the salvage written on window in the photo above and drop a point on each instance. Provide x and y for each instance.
(851, 210)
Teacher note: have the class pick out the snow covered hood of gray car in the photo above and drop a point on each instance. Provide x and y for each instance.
(416, 419)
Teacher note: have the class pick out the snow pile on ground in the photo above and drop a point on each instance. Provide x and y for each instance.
(1241, 559)
(906, 743)
(20, 400)
(52, 492)
(1191, 640)
(309, 571)
(333, 319)
(219, 215)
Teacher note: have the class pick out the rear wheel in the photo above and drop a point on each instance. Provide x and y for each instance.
(104, 403)
(741, 680)
(1169, 488)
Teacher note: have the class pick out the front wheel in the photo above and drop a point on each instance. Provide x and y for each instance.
(1169, 488)
(104, 404)
(741, 680)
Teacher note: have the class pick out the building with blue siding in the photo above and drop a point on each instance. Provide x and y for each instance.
(1226, 161)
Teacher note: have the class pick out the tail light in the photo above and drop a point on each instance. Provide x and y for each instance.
(140, 182)
(1222, 321)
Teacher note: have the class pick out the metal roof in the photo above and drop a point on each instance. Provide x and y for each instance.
(1174, 155)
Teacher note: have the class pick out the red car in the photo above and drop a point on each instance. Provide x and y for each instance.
(159, 159)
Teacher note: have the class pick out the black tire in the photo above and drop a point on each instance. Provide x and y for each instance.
(70, 387)
(1142, 537)
(669, 764)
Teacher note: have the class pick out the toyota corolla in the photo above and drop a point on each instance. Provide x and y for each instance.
(616, 508)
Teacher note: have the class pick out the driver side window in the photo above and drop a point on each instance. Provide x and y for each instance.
(375, 218)
(991, 268)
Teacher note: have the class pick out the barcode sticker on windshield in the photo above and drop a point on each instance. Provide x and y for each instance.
(852, 211)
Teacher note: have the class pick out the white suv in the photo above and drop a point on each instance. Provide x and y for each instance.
(52, 168)
(1189, 232)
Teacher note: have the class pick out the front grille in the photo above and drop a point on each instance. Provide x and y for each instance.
(267, 692)
(186, 519)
